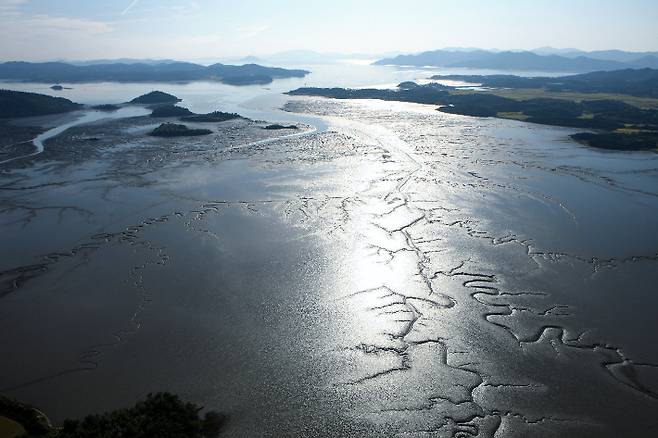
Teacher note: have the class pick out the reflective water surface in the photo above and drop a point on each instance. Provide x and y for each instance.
(395, 271)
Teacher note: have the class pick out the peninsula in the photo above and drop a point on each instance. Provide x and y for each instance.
(619, 121)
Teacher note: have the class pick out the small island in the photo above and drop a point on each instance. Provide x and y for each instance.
(106, 107)
(177, 130)
(214, 117)
(186, 115)
(276, 127)
(170, 111)
(155, 98)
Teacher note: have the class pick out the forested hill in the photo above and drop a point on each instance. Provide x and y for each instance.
(56, 72)
(20, 104)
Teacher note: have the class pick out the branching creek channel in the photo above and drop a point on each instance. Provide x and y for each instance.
(382, 270)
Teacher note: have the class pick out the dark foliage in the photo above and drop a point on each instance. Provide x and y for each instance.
(20, 104)
(170, 111)
(155, 97)
(214, 117)
(106, 107)
(31, 419)
(431, 93)
(161, 415)
(276, 127)
(618, 141)
(175, 130)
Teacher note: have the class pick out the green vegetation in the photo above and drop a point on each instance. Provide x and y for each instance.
(276, 126)
(176, 130)
(155, 97)
(540, 93)
(628, 126)
(619, 140)
(170, 111)
(106, 107)
(214, 117)
(160, 415)
(20, 104)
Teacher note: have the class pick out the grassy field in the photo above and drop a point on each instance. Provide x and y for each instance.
(533, 93)
(9, 428)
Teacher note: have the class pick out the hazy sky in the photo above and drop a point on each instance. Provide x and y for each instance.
(190, 29)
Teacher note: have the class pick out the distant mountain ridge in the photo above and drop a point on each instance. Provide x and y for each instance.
(56, 72)
(543, 59)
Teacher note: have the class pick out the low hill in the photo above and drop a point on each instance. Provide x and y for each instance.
(214, 117)
(177, 130)
(21, 104)
(56, 72)
(156, 98)
(170, 111)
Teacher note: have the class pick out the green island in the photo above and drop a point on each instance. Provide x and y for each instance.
(185, 115)
(161, 415)
(170, 111)
(22, 104)
(155, 98)
(277, 127)
(177, 130)
(214, 117)
(107, 107)
(593, 101)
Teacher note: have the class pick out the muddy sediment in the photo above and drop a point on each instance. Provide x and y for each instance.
(406, 273)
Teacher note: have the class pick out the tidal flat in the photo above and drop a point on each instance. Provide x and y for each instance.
(398, 272)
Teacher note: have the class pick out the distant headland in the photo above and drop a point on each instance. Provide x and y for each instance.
(166, 71)
(574, 61)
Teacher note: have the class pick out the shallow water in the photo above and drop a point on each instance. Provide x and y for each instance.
(398, 272)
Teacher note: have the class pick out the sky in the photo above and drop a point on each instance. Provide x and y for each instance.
(205, 29)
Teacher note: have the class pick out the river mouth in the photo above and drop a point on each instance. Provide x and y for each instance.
(396, 271)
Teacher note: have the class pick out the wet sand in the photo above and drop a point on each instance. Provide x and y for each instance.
(403, 273)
